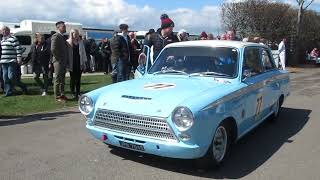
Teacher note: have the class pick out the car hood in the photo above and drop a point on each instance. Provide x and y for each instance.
(153, 97)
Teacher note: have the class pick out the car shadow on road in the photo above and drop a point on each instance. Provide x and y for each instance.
(246, 155)
(15, 120)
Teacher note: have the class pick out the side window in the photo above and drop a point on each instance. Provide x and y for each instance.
(268, 64)
(252, 60)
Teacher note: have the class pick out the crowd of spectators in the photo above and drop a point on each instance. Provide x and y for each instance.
(76, 54)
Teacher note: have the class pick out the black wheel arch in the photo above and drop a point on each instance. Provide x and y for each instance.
(232, 126)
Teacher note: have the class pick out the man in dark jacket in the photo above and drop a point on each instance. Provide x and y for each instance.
(51, 70)
(121, 51)
(162, 37)
(105, 51)
(135, 51)
(91, 51)
(40, 55)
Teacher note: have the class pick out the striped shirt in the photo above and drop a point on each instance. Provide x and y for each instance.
(10, 49)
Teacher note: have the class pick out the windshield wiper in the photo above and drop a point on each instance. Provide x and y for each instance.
(209, 74)
(170, 72)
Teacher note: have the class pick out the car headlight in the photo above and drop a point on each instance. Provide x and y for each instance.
(182, 118)
(85, 105)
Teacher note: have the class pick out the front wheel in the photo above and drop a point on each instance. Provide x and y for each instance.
(220, 144)
(219, 148)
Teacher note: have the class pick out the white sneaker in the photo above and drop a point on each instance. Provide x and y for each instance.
(44, 94)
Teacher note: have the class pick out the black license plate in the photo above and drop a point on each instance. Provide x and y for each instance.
(131, 146)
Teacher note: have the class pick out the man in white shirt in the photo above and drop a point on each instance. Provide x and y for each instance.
(282, 53)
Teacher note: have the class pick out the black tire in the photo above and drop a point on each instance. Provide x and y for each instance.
(275, 116)
(209, 161)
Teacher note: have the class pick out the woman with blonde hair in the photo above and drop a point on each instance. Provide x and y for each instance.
(76, 62)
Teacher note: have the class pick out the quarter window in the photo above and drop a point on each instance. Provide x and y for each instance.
(252, 60)
(266, 60)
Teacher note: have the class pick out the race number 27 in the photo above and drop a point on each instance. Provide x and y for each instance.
(259, 104)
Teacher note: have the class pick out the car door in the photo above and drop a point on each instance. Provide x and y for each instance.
(272, 86)
(253, 79)
(144, 63)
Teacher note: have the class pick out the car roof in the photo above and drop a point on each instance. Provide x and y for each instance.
(215, 43)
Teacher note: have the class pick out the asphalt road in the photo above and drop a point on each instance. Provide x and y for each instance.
(57, 146)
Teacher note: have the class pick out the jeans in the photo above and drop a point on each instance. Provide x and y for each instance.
(44, 70)
(75, 81)
(121, 69)
(8, 70)
(11, 77)
(60, 74)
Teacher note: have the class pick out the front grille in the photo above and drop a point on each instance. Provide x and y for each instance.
(137, 125)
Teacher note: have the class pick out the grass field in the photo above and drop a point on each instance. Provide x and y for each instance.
(20, 105)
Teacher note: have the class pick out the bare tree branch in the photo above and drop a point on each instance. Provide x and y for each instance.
(309, 4)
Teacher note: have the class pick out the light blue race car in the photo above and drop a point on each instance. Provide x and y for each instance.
(193, 102)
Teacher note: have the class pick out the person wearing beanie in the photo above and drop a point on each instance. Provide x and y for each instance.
(166, 22)
(203, 36)
(163, 36)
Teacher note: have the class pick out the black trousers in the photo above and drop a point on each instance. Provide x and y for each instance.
(75, 82)
(107, 67)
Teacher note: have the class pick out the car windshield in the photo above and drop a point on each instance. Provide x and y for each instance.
(197, 61)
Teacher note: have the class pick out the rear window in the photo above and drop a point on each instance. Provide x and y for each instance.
(24, 40)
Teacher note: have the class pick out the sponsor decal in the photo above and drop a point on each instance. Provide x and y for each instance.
(159, 86)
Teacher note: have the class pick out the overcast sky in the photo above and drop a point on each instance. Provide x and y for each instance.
(192, 15)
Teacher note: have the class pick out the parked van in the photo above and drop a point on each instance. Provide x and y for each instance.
(26, 32)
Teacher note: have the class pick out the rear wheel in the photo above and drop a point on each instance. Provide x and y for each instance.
(277, 108)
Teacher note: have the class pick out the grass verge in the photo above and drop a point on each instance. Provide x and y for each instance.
(20, 105)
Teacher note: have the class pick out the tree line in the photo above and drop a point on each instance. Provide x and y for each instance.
(273, 21)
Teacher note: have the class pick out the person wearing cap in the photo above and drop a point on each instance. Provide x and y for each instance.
(182, 35)
(149, 34)
(121, 52)
(203, 36)
(162, 37)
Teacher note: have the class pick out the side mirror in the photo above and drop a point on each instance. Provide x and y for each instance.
(246, 74)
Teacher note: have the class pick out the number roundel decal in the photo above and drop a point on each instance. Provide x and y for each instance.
(259, 105)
